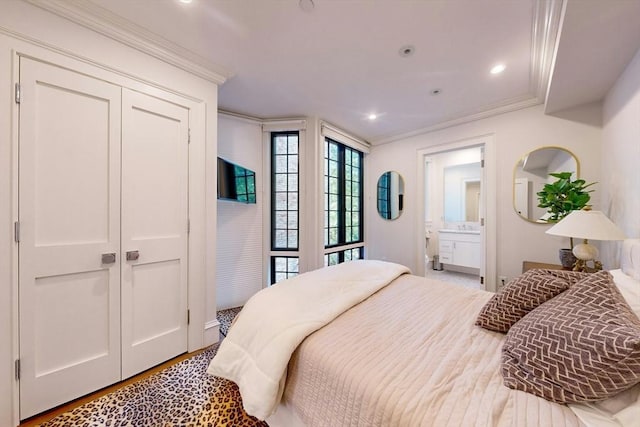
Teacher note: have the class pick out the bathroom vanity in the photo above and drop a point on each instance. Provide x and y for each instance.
(460, 247)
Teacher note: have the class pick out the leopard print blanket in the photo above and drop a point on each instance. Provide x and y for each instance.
(183, 395)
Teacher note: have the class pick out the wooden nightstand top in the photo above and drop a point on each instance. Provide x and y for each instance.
(528, 265)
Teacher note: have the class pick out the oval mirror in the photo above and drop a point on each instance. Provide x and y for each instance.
(532, 173)
(390, 195)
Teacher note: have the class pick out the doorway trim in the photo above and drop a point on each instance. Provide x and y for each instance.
(488, 203)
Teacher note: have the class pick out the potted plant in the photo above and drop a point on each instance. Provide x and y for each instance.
(560, 198)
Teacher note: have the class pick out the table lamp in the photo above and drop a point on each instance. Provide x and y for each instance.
(586, 224)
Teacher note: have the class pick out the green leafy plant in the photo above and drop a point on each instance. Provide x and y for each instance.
(563, 196)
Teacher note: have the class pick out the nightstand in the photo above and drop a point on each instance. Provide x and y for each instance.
(528, 265)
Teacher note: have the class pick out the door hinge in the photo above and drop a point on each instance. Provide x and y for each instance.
(482, 280)
(16, 232)
(188, 225)
(482, 163)
(18, 93)
(481, 222)
(188, 317)
(17, 369)
(189, 136)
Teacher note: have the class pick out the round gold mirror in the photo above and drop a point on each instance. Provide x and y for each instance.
(390, 195)
(532, 172)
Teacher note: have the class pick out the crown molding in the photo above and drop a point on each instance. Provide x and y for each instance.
(326, 126)
(268, 125)
(102, 21)
(504, 107)
(544, 41)
(240, 117)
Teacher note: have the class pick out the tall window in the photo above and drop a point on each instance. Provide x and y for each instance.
(284, 205)
(343, 175)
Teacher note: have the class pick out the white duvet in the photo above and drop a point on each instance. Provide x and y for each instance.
(277, 319)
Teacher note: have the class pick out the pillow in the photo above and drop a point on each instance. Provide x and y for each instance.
(630, 258)
(629, 288)
(583, 345)
(621, 410)
(523, 294)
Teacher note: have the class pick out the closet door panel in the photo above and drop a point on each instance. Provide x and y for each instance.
(154, 231)
(69, 213)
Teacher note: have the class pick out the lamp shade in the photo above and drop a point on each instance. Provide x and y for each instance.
(587, 224)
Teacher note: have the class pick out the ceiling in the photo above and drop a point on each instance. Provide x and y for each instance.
(340, 60)
(598, 40)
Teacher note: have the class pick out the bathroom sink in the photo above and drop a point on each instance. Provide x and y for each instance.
(447, 230)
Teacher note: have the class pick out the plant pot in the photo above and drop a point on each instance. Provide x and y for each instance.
(567, 259)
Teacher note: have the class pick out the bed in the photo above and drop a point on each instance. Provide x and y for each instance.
(406, 353)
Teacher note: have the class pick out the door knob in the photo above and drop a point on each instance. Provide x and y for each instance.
(109, 258)
(133, 255)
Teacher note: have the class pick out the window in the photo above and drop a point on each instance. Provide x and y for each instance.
(343, 203)
(284, 183)
(334, 258)
(283, 267)
(284, 204)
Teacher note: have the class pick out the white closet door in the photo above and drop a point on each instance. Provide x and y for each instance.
(154, 231)
(69, 213)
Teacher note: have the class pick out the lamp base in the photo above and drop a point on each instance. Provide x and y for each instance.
(582, 265)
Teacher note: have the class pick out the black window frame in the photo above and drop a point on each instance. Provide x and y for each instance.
(274, 248)
(341, 255)
(342, 181)
(288, 272)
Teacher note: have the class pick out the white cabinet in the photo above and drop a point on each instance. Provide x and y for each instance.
(461, 248)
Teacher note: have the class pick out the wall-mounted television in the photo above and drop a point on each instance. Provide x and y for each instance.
(235, 182)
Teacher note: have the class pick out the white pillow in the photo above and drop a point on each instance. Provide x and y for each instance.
(630, 258)
(622, 410)
(629, 288)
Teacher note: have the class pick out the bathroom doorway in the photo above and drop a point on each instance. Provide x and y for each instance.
(454, 224)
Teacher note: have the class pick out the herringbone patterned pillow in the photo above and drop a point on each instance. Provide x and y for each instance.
(582, 345)
(523, 294)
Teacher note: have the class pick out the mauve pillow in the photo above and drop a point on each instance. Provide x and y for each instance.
(583, 345)
(523, 294)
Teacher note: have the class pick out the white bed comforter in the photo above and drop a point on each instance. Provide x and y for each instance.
(276, 320)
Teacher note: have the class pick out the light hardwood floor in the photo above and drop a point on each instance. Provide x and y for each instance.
(46, 416)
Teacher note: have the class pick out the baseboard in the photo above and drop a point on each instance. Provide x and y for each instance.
(211, 332)
(460, 269)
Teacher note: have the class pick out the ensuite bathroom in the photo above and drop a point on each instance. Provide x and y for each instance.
(452, 223)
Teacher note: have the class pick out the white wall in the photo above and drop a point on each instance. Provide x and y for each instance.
(515, 133)
(240, 258)
(621, 158)
(28, 29)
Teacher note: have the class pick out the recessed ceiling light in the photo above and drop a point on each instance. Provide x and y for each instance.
(497, 69)
(372, 116)
(185, 1)
(406, 50)
(306, 5)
